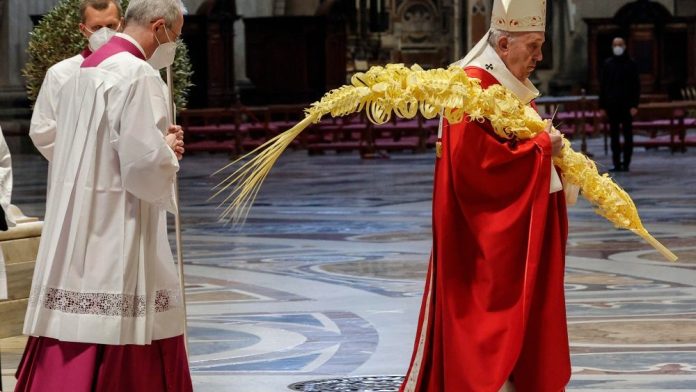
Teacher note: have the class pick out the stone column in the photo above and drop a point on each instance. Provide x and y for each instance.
(192, 5)
(246, 9)
(3, 44)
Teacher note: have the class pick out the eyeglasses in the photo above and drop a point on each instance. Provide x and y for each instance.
(176, 36)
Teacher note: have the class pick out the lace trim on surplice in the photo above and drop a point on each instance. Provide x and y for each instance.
(105, 304)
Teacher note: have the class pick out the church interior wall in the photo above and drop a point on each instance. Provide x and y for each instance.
(4, 26)
(192, 5)
(569, 40)
(14, 35)
(301, 7)
(686, 7)
(567, 34)
(246, 9)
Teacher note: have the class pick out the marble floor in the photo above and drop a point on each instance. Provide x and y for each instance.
(325, 278)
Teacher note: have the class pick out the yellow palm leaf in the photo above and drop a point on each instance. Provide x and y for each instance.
(396, 89)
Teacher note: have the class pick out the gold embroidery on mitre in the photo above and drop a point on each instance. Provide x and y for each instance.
(532, 21)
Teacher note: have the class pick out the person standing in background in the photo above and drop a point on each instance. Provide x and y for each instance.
(619, 97)
(100, 20)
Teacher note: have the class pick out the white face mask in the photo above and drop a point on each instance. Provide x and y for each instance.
(100, 37)
(619, 50)
(164, 54)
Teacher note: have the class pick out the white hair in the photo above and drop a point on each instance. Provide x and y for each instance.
(495, 35)
(142, 12)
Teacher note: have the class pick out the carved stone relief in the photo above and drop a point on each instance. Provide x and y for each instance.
(419, 21)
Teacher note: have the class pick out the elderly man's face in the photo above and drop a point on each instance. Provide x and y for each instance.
(521, 53)
(96, 19)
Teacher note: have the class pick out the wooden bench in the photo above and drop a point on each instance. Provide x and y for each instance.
(349, 133)
(575, 116)
(212, 130)
(665, 123)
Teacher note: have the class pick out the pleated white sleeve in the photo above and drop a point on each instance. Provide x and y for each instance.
(148, 165)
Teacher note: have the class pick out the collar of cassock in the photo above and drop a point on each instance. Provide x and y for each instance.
(133, 41)
(493, 64)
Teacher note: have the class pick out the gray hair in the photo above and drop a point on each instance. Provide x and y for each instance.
(142, 12)
(495, 35)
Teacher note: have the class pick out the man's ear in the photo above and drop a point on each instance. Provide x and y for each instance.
(156, 25)
(82, 28)
(503, 43)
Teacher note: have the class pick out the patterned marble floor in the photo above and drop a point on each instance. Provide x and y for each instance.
(325, 278)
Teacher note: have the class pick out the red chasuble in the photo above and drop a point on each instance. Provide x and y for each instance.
(493, 307)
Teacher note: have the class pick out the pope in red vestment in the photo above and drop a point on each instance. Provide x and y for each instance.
(493, 308)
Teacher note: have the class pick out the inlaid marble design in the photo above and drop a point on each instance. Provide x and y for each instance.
(324, 281)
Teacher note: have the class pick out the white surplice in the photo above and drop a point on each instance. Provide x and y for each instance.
(43, 120)
(5, 200)
(105, 272)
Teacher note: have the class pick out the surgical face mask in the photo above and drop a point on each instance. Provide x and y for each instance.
(164, 54)
(619, 50)
(100, 37)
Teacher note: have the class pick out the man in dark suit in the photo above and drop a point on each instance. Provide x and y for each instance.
(619, 98)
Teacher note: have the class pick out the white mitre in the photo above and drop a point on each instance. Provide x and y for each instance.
(512, 16)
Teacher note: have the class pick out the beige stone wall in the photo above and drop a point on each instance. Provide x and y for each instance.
(19, 247)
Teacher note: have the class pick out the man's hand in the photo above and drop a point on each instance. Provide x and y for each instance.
(556, 143)
(556, 138)
(634, 111)
(175, 140)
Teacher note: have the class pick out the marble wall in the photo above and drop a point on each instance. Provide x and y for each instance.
(14, 36)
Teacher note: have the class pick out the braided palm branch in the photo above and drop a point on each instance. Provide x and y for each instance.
(405, 92)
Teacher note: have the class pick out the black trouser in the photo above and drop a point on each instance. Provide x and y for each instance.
(621, 122)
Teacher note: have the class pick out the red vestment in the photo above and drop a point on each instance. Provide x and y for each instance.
(494, 305)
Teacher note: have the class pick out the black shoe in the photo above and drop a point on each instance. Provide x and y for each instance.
(625, 168)
(615, 169)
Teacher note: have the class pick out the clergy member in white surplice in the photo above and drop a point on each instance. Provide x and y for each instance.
(105, 311)
(100, 19)
(6, 220)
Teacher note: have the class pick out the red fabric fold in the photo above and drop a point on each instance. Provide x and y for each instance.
(52, 365)
(497, 307)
